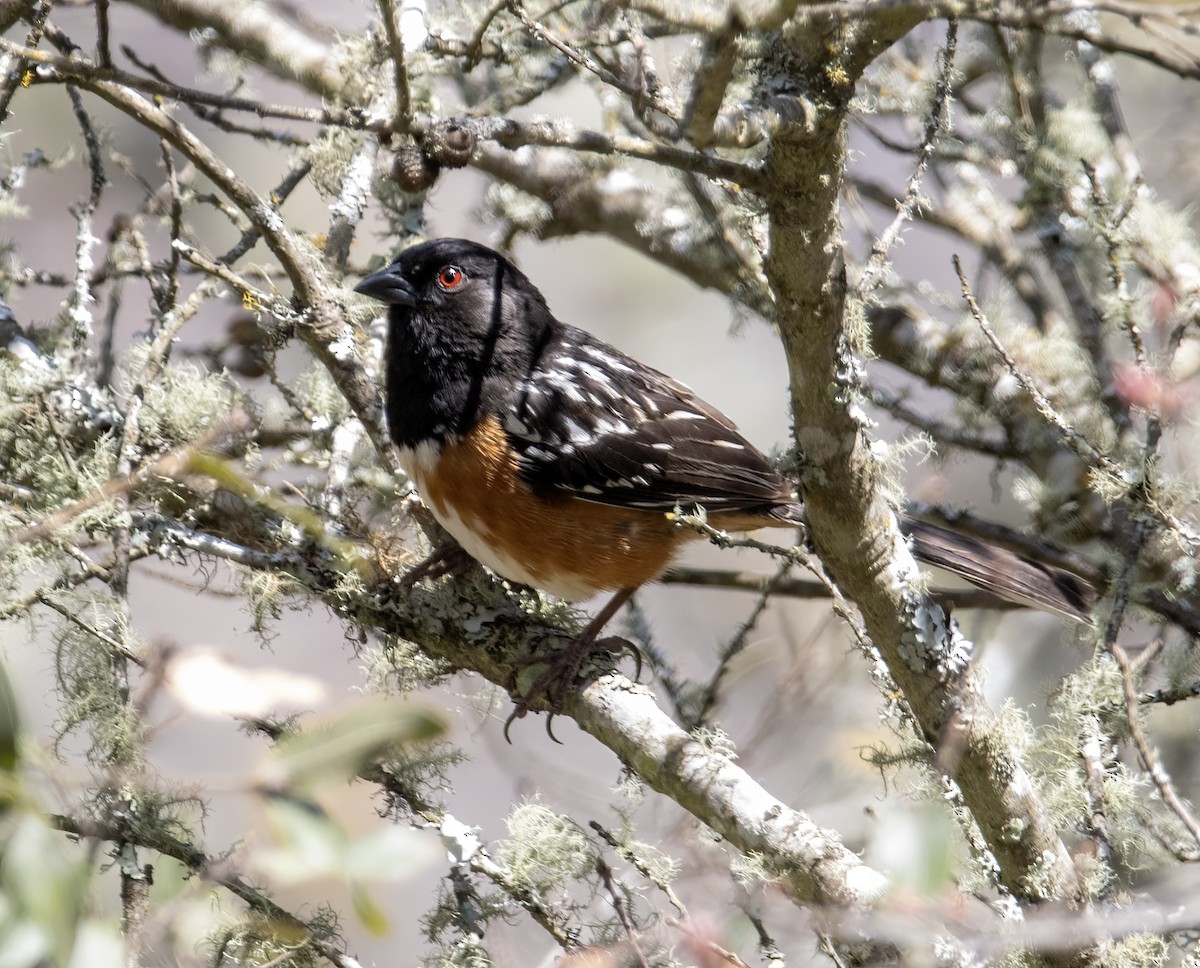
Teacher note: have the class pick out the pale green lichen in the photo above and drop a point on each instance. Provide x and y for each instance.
(399, 666)
(659, 866)
(1072, 133)
(715, 741)
(1087, 711)
(252, 939)
(49, 443)
(267, 594)
(630, 788)
(544, 850)
(330, 154)
(466, 952)
(318, 398)
(1134, 951)
(753, 870)
(364, 65)
(88, 682)
(182, 403)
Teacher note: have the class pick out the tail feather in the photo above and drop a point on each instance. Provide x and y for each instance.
(1004, 573)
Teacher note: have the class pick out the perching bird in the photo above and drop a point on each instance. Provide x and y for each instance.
(555, 459)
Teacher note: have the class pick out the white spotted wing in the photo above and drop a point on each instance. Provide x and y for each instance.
(593, 423)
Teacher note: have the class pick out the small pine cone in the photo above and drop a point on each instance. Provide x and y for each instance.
(449, 143)
(413, 170)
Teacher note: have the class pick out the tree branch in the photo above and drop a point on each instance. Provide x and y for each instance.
(852, 525)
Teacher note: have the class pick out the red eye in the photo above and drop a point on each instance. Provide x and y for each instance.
(451, 277)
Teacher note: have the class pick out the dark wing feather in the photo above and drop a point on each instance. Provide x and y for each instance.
(596, 424)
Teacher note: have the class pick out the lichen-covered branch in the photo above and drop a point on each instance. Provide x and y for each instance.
(853, 527)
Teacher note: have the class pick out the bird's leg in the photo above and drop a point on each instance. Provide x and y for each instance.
(563, 666)
(447, 558)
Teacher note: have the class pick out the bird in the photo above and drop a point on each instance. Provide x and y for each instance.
(560, 462)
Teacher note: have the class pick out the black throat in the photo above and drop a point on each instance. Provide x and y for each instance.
(428, 384)
(441, 381)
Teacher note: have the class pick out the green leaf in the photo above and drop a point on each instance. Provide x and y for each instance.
(367, 910)
(46, 881)
(311, 845)
(341, 747)
(10, 729)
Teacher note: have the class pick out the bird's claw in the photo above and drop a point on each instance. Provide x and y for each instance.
(448, 558)
(562, 669)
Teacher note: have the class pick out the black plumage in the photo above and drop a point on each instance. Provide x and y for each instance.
(585, 419)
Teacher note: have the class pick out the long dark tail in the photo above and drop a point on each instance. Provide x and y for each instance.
(1004, 573)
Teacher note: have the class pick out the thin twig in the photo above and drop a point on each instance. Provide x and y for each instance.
(798, 555)
(512, 134)
(1095, 774)
(168, 295)
(60, 440)
(219, 270)
(474, 50)
(81, 294)
(768, 947)
(200, 864)
(712, 689)
(119, 649)
(391, 29)
(941, 431)
(214, 116)
(1170, 695)
(279, 194)
(18, 73)
(618, 903)
(799, 588)
(589, 63)
(631, 857)
(938, 120)
(103, 52)
(1082, 447)
(81, 68)
(347, 209)
(1162, 780)
(711, 81)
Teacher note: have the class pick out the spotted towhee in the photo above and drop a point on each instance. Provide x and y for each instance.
(555, 459)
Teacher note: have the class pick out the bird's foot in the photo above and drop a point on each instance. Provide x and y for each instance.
(448, 558)
(560, 672)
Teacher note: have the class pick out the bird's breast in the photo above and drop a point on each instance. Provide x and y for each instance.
(563, 545)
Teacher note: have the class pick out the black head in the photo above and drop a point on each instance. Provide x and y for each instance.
(460, 284)
(465, 327)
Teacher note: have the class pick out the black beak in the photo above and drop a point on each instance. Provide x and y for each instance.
(388, 286)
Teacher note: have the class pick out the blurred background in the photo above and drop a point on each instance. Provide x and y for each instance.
(800, 706)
